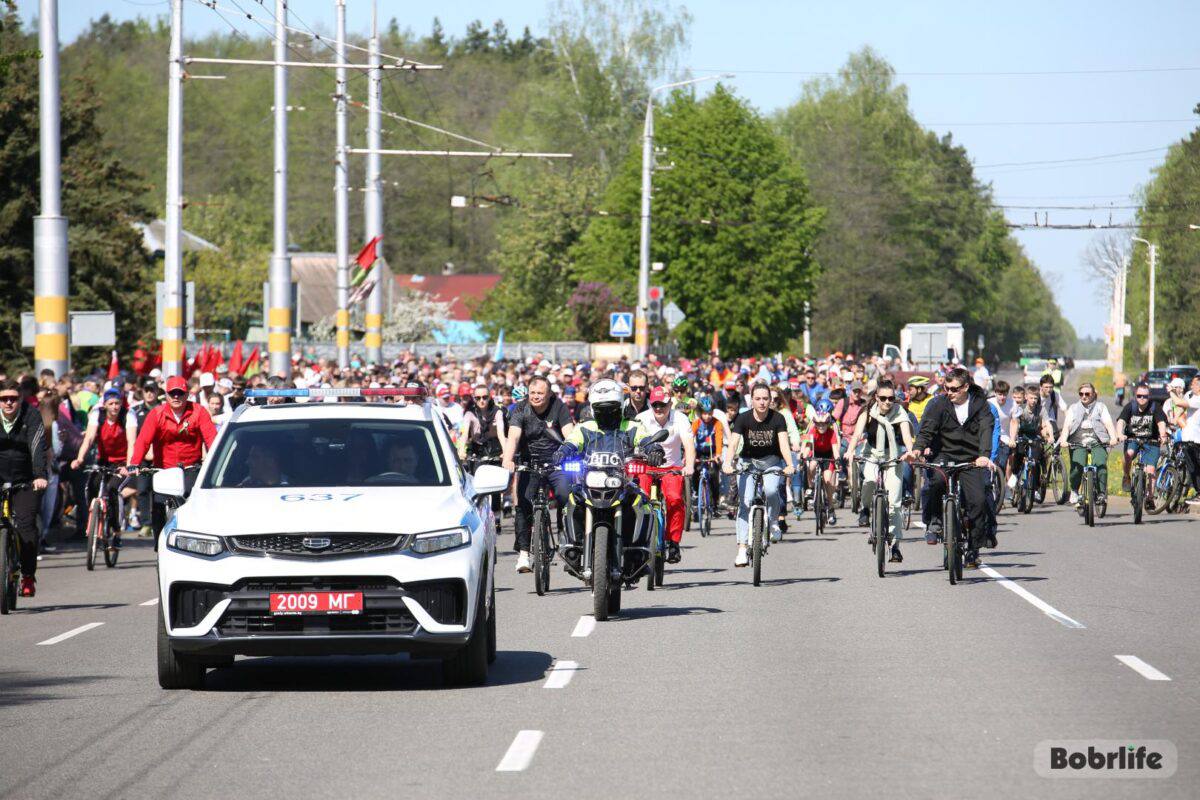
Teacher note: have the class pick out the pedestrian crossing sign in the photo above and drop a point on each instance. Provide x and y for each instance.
(620, 324)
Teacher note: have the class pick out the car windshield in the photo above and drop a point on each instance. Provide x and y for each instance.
(328, 452)
(1158, 376)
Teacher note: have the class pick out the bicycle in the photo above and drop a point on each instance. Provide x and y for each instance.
(10, 550)
(1171, 479)
(98, 534)
(1092, 499)
(658, 547)
(881, 534)
(759, 543)
(954, 534)
(820, 502)
(705, 506)
(543, 540)
(1056, 475)
(1025, 492)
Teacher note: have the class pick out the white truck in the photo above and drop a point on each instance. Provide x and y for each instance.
(924, 345)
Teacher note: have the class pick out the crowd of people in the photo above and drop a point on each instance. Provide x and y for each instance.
(804, 416)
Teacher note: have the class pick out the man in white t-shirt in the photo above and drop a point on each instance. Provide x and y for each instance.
(680, 452)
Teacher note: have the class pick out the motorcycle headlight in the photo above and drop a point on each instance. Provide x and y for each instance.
(198, 544)
(439, 541)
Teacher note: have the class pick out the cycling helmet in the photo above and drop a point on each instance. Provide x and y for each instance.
(680, 382)
(605, 397)
(705, 404)
(918, 380)
(821, 410)
(519, 393)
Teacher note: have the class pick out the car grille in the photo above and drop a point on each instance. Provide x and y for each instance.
(190, 602)
(445, 601)
(249, 611)
(307, 545)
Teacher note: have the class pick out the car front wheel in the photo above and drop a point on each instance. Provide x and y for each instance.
(176, 671)
(469, 666)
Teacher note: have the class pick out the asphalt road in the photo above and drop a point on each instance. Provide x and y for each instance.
(825, 681)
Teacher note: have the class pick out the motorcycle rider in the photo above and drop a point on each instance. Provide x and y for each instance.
(607, 431)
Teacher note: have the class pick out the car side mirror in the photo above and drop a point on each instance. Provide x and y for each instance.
(489, 479)
(169, 482)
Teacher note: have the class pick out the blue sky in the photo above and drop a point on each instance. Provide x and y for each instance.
(770, 43)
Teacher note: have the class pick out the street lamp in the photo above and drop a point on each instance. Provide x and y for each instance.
(641, 331)
(1150, 335)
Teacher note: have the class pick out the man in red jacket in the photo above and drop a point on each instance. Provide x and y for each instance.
(178, 431)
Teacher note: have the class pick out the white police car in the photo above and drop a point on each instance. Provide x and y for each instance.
(332, 529)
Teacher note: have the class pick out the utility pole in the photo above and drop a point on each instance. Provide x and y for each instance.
(807, 330)
(173, 330)
(279, 316)
(373, 198)
(51, 278)
(1150, 333)
(641, 337)
(340, 188)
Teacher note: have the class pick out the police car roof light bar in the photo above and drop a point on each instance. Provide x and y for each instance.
(339, 392)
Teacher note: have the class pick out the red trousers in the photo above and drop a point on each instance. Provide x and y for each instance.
(671, 487)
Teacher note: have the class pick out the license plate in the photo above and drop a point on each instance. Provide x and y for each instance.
(316, 602)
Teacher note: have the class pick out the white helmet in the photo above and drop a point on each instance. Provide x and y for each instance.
(605, 391)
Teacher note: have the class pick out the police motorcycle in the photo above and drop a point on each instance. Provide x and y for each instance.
(606, 552)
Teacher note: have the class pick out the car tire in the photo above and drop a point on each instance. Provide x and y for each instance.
(469, 666)
(174, 670)
(491, 630)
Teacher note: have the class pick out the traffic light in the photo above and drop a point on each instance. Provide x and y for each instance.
(654, 314)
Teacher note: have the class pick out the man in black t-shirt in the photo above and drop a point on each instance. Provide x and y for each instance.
(761, 434)
(528, 438)
(1142, 425)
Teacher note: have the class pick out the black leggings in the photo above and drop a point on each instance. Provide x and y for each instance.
(976, 508)
(23, 506)
(527, 488)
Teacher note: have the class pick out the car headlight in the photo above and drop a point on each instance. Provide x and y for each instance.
(437, 541)
(199, 544)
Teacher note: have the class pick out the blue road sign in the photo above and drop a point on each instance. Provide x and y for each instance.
(620, 324)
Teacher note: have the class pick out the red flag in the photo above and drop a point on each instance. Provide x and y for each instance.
(252, 362)
(114, 367)
(366, 257)
(140, 359)
(183, 362)
(190, 368)
(156, 359)
(216, 357)
(236, 362)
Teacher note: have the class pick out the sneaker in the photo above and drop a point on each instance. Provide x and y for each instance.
(864, 519)
(49, 548)
(28, 589)
(933, 534)
(1074, 498)
(742, 559)
(896, 556)
(972, 559)
(1012, 481)
(776, 533)
(673, 554)
(832, 517)
(523, 565)
(1125, 484)
(145, 532)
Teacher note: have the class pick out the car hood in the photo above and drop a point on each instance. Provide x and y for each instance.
(348, 510)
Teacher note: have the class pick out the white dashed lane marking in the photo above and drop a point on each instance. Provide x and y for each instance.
(151, 602)
(1029, 597)
(561, 674)
(1142, 668)
(520, 752)
(62, 637)
(585, 626)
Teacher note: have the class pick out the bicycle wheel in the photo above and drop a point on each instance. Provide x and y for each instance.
(94, 532)
(689, 504)
(654, 556)
(541, 564)
(1137, 494)
(1164, 484)
(855, 489)
(110, 547)
(1089, 498)
(8, 576)
(997, 489)
(819, 506)
(1058, 480)
(879, 525)
(600, 577)
(702, 508)
(757, 523)
(950, 536)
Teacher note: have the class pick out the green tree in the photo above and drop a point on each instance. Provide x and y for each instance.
(101, 200)
(733, 221)
(228, 281)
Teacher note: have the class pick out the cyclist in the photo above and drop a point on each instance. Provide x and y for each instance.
(113, 429)
(608, 431)
(758, 435)
(1026, 422)
(709, 434)
(1088, 428)
(1143, 425)
(483, 434)
(957, 426)
(178, 431)
(680, 451)
(823, 440)
(638, 385)
(23, 460)
(682, 399)
(886, 430)
(1004, 406)
(531, 431)
(780, 404)
(918, 395)
(1175, 406)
